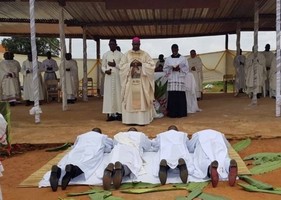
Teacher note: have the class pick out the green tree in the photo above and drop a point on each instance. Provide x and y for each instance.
(22, 45)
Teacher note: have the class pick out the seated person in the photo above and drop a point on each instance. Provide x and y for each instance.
(211, 159)
(172, 153)
(127, 157)
(83, 159)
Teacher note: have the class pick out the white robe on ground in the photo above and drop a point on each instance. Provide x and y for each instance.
(87, 153)
(191, 98)
(137, 94)
(198, 73)
(71, 78)
(28, 87)
(9, 86)
(209, 145)
(171, 146)
(128, 149)
(3, 137)
(112, 84)
(239, 65)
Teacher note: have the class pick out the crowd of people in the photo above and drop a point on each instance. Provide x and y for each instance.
(205, 156)
(10, 87)
(256, 74)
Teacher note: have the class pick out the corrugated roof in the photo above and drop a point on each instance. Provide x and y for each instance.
(104, 19)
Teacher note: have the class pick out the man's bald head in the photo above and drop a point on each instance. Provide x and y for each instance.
(98, 130)
(132, 129)
(173, 127)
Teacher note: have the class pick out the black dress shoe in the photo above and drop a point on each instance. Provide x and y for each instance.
(69, 171)
(183, 170)
(54, 178)
(107, 176)
(110, 118)
(163, 171)
(118, 174)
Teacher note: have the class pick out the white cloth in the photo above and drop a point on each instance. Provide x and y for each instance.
(71, 78)
(9, 80)
(239, 65)
(3, 137)
(208, 146)
(87, 152)
(50, 67)
(196, 62)
(176, 79)
(249, 72)
(128, 149)
(171, 146)
(28, 87)
(190, 92)
(137, 94)
(112, 84)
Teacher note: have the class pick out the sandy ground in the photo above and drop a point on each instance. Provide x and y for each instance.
(223, 112)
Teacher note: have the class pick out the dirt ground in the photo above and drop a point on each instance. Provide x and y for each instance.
(222, 112)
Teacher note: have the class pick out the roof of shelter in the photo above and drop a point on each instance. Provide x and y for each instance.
(145, 18)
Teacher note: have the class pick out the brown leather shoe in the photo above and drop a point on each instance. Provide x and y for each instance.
(107, 176)
(163, 171)
(183, 170)
(233, 171)
(118, 174)
(214, 173)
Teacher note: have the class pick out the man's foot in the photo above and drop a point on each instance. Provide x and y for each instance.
(119, 117)
(183, 170)
(107, 176)
(54, 178)
(163, 171)
(12, 103)
(118, 174)
(69, 171)
(214, 173)
(233, 171)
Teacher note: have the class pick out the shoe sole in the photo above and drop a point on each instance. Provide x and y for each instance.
(67, 177)
(54, 179)
(214, 173)
(183, 170)
(117, 177)
(163, 172)
(233, 171)
(107, 176)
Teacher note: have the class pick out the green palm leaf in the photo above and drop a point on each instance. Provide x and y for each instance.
(138, 185)
(266, 167)
(251, 188)
(195, 193)
(261, 155)
(84, 193)
(148, 190)
(206, 196)
(239, 146)
(258, 184)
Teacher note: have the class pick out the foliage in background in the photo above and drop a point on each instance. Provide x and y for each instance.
(217, 86)
(22, 45)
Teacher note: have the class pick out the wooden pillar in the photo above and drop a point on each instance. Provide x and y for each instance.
(85, 75)
(100, 77)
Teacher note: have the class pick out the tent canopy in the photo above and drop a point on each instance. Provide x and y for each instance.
(123, 19)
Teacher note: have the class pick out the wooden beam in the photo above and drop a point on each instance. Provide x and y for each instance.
(160, 4)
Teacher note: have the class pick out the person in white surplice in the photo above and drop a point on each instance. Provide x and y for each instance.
(28, 86)
(196, 68)
(71, 78)
(210, 157)
(9, 79)
(172, 153)
(112, 85)
(137, 86)
(239, 65)
(83, 159)
(249, 73)
(127, 156)
(269, 57)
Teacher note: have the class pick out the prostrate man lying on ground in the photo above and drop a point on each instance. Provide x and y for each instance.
(127, 155)
(172, 153)
(83, 159)
(210, 157)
